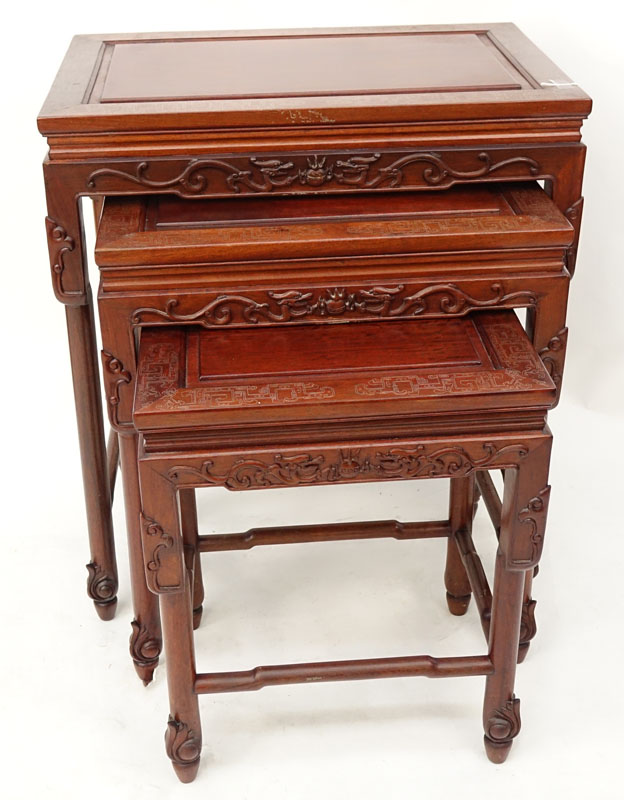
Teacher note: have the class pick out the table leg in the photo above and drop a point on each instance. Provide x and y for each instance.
(102, 582)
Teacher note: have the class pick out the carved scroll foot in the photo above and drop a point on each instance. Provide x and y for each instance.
(145, 651)
(197, 615)
(528, 628)
(500, 730)
(183, 747)
(458, 605)
(102, 589)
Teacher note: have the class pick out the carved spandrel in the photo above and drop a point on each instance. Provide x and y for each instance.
(164, 561)
(60, 243)
(528, 537)
(115, 376)
(553, 356)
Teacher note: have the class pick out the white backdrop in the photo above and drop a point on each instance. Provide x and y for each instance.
(77, 721)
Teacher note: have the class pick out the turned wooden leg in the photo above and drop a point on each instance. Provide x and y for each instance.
(183, 735)
(528, 625)
(145, 639)
(188, 516)
(169, 556)
(461, 510)
(102, 582)
(501, 709)
(523, 521)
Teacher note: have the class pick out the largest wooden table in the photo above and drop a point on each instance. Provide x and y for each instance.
(282, 112)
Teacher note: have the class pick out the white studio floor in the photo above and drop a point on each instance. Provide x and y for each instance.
(87, 727)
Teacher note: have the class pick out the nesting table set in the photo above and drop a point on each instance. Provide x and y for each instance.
(310, 247)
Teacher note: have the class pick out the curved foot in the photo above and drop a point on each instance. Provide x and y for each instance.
(502, 726)
(146, 672)
(197, 615)
(145, 651)
(497, 752)
(102, 589)
(106, 611)
(188, 772)
(458, 605)
(183, 747)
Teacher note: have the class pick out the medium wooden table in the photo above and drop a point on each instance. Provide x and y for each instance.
(279, 113)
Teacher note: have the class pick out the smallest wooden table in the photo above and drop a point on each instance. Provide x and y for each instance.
(329, 404)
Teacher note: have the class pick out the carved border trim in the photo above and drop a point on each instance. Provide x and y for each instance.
(349, 465)
(264, 174)
(376, 301)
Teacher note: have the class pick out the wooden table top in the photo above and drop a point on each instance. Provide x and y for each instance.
(194, 377)
(185, 81)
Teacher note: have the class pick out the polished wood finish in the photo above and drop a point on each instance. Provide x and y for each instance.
(399, 186)
(165, 405)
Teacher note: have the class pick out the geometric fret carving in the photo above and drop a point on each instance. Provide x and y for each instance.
(308, 172)
(347, 465)
(376, 301)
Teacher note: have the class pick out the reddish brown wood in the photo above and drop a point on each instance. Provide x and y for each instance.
(492, 110)
(112, 454)
(363, 669)
(146, 639)
(478, 581)
(456, 577)
(339, 531)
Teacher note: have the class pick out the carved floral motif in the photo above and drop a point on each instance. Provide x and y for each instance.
(182, 744)
(263, 175)
(376, 301)
(504, 723)
(348, 465)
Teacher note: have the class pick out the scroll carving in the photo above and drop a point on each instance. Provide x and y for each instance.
(504, 724)
(144, 648)
(115, 375)
(348, 465)
(573, 214)
(297, 172)
(553, 356)
(532, 519)
(101, 587)
(59, 244)
(376, 301)
(164, 566)
(182, 744)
